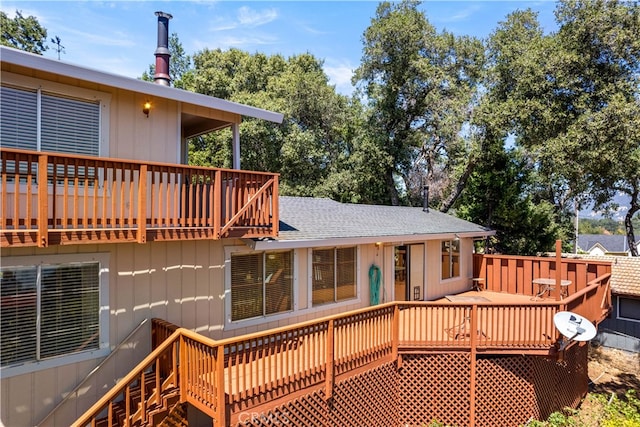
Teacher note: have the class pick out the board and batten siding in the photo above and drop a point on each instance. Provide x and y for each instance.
(181, 282)
(619, 333)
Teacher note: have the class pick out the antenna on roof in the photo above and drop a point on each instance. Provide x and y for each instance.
(59, 48)
(574, 328)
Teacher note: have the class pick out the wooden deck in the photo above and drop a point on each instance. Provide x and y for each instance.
(227, 377)
(53, 198)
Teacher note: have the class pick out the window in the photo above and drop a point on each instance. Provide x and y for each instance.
(42, 121)
(261, 284)
(629, 309)
(450, 259)
(334, 275)
(50, 310)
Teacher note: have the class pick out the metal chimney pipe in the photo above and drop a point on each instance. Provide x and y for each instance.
(162, 51)
(425, 198)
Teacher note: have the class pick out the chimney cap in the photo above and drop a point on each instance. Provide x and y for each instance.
(161, 14)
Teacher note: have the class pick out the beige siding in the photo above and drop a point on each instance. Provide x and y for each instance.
(184, 283)
(436, 287)
(135, 136)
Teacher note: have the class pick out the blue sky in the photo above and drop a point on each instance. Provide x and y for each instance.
(120, 36)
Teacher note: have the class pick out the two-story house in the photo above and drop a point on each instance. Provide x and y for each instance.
(104, 226)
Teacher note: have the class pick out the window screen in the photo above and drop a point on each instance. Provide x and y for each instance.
(629, 308)
(66, 125)
(70, 125)
(333, 275)
(450, 259)
(261, 284)
(18, 118)
(49, 310)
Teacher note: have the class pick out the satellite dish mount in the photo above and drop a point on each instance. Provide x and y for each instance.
(573, 327)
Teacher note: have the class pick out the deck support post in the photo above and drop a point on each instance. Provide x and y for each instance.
(217, 203)
(275, 210)
(395, 332)
(221, 404)
(43, 205)
(329, 374)
(142, 204)
(556, 292)
(473, 361)
(182, 369)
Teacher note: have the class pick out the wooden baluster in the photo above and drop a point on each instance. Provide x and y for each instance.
(142, 204)
(43, 208)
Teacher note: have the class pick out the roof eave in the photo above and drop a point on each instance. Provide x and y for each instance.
(264, 245)
(30, 60)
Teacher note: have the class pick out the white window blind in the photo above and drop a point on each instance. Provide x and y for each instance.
(261, 284)
(70, 125)
(49, 310)
(18, 118)
(67, 125)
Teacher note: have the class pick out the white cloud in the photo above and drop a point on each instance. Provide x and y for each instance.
(462, 14)
(340, 74)
(240, 41)
(253, 18)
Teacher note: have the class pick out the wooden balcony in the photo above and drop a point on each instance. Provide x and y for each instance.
(256, 373)
(103, 200)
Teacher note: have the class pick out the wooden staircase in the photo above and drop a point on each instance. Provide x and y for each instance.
(143, 404)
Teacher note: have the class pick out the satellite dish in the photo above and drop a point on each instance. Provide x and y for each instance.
(574, 327)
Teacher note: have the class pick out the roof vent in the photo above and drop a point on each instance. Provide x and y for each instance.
(162, 51)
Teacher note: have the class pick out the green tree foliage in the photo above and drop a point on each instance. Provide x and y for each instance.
(496, 196)
(24, 33)
(421, 87)
(572, 99)
(318, 147)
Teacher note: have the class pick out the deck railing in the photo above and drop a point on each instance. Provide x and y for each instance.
(224, 378)
(52, 198)
(515, 274)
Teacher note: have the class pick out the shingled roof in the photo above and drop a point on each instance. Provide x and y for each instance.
(625, 273)
(609, 242)
(305, 219)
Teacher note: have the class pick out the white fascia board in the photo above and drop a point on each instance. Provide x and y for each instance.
(265, 245)
(30, 60)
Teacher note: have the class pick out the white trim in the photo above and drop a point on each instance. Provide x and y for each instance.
(29, 60)
(104, 348)
(336, 304)
(231, 325)
(263, 245)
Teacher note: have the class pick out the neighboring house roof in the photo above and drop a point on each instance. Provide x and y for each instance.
(307, 220)
(625, 276)
(29, 60)
(607, 242)
(625, 273)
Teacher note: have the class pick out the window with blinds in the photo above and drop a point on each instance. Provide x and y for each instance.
(261, 284)
(67, 125)
(48, 311)
(333, 275)
(450, 259)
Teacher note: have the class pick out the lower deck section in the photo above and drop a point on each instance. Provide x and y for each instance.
(445, 388)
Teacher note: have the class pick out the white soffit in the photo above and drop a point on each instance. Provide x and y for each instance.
(271, 244)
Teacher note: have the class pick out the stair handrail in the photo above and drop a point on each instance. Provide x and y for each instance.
(93, 371)
(125, 381)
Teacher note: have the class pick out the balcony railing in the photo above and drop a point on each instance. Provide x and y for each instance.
(225, 378)
(52, 198)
